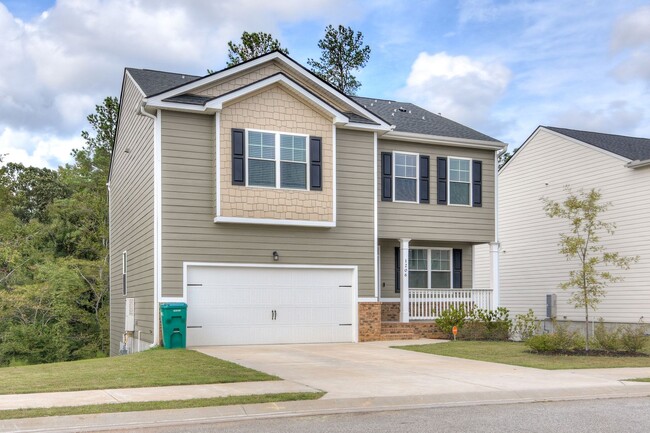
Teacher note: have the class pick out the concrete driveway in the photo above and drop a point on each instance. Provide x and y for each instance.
(363, 370)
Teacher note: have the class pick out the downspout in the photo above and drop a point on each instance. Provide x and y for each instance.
(495, 246)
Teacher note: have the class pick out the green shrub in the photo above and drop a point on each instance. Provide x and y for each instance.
(473, 330)
(556, 342)
(525, 326)
(452, 316)
(633, 339)
(609, 341)
(497, 323)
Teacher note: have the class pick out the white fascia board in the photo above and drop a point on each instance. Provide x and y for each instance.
(253, 63)
(638, 163)
(271, 221)
(217, 103)
(444, 141)
(367, 127)
(177, 106)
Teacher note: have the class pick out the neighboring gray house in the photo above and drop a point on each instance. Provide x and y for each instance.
(283, 211)
(530, 264)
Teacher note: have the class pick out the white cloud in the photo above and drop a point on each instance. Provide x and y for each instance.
(616, 117)
(56, 67)
(458, 87)
(631, 38)
(41, 150)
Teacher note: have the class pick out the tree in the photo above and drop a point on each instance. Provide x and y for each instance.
(252, 45)
(583, 244)
(506, 156)
(342, 52)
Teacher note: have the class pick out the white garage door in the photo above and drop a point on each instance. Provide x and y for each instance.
(252, 305)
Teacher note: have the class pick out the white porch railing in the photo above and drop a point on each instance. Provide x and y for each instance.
(427, 304)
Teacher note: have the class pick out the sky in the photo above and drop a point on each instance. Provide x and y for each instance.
(501, 67)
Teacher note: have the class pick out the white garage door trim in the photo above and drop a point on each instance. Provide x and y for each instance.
(354, 290)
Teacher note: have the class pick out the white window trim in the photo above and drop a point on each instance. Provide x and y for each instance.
(471, 174)
(278, 159)
(429, 270)
(417, 177)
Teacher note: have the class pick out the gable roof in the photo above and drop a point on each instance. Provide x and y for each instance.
(409, 117)
(406, 117)
(632, 148)
(153, 82)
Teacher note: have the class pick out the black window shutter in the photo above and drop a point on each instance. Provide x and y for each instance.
(477, 183)
(457, 277)
(238, 157)
(442, 180)
(398, 273)
(424, 179)
(386, 176)
(315, 164)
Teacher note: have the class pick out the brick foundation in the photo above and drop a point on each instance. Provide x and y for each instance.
(369, 321)
(390, 311)
(380, 321)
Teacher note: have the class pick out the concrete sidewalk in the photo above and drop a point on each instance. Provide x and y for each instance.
(163, 393)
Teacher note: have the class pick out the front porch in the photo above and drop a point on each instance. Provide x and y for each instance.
(384, 320)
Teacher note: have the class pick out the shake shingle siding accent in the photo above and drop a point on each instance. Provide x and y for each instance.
(131, 214)
(188, 201)
(430, 221)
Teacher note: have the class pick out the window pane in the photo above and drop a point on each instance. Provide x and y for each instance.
(268, 146)
(293, 148)
(261, 173)
(417, 279)
(458, 193)
(405, 189)
(440, 280)
(418, 260)
(459, 170)
(405, 165)
(293, 175)
(440, 260)
(261, 145)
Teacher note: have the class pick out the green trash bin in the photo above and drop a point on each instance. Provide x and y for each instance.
(174, 318)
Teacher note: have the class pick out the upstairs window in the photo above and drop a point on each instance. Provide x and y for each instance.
(277, 160)
(460, 181)
(406, 176)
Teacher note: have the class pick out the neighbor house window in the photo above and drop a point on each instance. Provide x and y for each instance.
(460, 178)
(430, 268)
(277, 160)
(124, 266)
(406, 176)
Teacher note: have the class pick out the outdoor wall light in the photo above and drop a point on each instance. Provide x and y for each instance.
(276, 256)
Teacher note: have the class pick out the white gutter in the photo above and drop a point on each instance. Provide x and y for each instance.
(444, 141)
(638, 163)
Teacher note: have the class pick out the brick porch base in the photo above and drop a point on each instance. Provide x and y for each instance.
(380, 321)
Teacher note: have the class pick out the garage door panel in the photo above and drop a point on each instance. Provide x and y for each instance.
(248, 305)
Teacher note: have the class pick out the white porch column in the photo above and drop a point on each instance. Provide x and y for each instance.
(404, 292)
(494, 272)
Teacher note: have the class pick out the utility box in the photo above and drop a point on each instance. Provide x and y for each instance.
(129, 315)
(173, 316)
(551, 306)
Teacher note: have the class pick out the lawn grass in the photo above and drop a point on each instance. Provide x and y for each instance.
(507, 352)
(158, 405)
(154, 367)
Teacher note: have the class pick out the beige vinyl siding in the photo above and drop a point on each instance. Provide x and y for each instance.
(387, 263)
(432, 221)
(530, 265)
(131, 217)
(188, 210)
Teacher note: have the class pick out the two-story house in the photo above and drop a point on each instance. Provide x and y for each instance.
(283, 211)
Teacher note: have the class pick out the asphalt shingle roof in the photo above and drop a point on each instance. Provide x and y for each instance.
(629, 147)
(409, 117)
(405, 116)
(153, 82)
